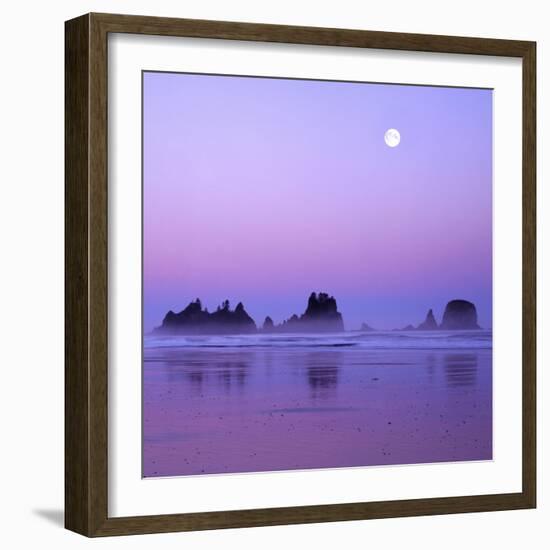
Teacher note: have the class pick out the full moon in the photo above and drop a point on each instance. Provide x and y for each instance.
(392, 137)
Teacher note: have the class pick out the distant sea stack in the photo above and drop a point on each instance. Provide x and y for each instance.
(323, 311)
(196, 320)
(268, 325)
(366, 328)
(321, 315)
(430, 322)
(460, 315)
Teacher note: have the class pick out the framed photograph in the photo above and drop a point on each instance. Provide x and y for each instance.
(300, 274)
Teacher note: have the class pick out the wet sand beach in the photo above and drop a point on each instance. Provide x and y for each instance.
(253, 403)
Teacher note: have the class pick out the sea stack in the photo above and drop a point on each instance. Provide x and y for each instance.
(196, 320)
(323, 311)
(460, 315)
(430, 322)
(321, 315)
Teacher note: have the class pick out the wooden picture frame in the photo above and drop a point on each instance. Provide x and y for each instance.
(86, 283)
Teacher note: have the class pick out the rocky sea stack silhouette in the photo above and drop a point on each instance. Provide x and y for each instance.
(268, 325)
(430, 323)
(460, 315)
(196, 320)
(321, 315)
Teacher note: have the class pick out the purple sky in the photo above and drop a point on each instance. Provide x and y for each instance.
(263, 190)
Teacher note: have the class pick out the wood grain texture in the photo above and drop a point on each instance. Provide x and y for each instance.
(77, 388)
(165, 26)
(86, 257)
(98, 270)
(529, 274)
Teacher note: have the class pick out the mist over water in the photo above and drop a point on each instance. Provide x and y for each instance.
(221, 404)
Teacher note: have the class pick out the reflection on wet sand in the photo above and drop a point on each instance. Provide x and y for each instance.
(197, 369)
(460, 369)
(241, 410)
(322, 373)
